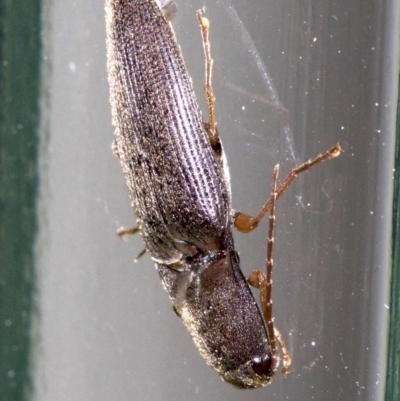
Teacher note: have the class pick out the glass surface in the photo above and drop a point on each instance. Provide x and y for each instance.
(106, 326)
(19, 126)
(393, 365)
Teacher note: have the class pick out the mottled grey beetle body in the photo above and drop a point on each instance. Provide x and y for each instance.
(180, 192)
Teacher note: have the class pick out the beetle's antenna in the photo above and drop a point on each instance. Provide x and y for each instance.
(266, 287)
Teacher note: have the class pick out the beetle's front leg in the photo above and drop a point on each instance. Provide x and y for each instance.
(122, 232)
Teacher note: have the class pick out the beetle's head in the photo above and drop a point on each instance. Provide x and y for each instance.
(257, 372)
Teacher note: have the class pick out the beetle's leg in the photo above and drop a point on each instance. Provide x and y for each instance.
(245, 223)
(211, 126)
(263, 280)
(286, 361)
(255, 278)
(128, 231)
(121, 232)
(266, 283)
(139, 255)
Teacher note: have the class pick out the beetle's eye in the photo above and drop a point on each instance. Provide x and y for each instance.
(262, 366)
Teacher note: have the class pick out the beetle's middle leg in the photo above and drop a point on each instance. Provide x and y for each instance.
(246, 223)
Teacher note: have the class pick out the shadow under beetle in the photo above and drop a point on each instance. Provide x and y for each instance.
(177, 175)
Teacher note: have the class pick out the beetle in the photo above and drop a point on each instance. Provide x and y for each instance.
(179, 184)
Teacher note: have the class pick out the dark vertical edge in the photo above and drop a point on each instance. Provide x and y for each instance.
(20, 49)
(393, 367)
